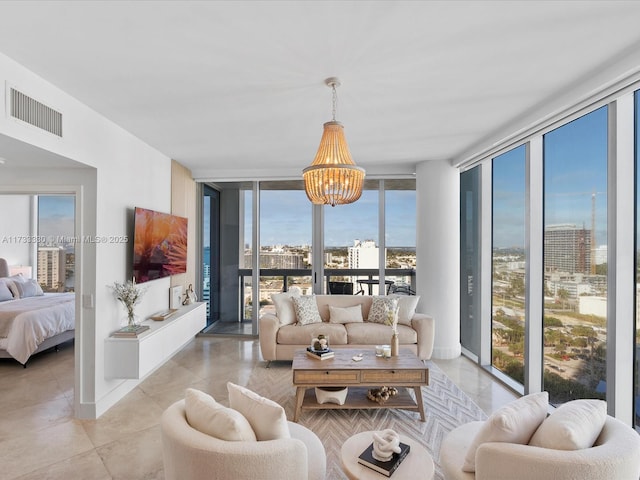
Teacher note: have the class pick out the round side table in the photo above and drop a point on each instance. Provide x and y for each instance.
(418, 460)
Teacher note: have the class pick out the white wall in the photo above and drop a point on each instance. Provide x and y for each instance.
(116, 173)
(438, 252)
(15, 229)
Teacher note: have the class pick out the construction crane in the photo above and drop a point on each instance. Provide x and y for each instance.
(592, 260)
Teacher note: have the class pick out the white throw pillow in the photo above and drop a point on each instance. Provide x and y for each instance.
(573, 426)
(209, 417)
(5, 291)
(29, 288)
(306, 309)
(407, 305)
(284, 306)
(516, 422)
(381, 306)
(266, 417)
(346, 314)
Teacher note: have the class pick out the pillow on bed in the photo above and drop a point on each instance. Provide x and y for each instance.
(30, 288)
(5, 292)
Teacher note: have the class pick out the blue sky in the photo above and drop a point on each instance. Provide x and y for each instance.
(56, 215)
(575, 166)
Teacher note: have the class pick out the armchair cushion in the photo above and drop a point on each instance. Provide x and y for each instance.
(208, 416)
(572, 426)
(516, 422)
(267, 418)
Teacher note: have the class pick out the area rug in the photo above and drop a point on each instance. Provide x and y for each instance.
(446, 407)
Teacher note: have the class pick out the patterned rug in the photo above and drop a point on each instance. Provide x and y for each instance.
(446, 407)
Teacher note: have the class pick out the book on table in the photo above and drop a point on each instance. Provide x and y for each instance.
(320, 354)
(130, 332)
(386, 468)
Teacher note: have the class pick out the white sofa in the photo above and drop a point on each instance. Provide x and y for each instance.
(614, 456)
(192, 455)
(279, 341)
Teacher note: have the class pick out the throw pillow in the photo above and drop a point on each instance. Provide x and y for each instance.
(346, 314)
(284, 306)
(516, 422)
(407, 305)
(306, 309)
(29, 288)
(573, 426)
(5, 292)
(266, 417)
(209, 417)
(380, 308)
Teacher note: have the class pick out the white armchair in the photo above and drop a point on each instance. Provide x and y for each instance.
(615, 455)
(192, 455)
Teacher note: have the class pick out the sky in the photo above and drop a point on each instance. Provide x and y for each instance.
(56, 215)
(575, 166)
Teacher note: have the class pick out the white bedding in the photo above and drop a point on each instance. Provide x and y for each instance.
(31, 328)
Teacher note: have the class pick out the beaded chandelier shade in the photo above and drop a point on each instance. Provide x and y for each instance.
(333, 178)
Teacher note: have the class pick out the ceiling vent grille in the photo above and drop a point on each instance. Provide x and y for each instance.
(35, 113)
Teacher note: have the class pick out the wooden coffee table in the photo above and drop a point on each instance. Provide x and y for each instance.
(404, 372)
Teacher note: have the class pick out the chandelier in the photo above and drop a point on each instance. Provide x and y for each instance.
(333, 178)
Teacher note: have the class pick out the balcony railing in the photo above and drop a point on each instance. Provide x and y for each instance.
(364, 280)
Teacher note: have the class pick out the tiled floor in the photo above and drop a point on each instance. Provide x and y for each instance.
(40, 439)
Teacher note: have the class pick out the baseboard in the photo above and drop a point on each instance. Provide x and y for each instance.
(447, 353)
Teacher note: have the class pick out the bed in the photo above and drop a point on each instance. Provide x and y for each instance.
(32, 321)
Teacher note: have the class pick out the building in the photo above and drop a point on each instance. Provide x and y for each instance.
(51, 268)
(567, 248)
(363, 254)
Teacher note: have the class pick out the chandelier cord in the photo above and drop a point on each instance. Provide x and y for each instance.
(334, 101)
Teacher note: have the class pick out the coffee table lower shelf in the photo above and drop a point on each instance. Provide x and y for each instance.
(357, 399)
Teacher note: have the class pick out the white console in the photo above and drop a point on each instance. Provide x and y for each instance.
(139, 356)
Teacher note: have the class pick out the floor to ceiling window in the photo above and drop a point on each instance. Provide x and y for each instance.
(285, 240)
(400, 234)
(470, 260)
(55, 266)
(351, 242)
(575, 258)
(508, 263)
(211, 252)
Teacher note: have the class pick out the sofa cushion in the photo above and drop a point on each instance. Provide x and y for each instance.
(302, 335)
(376, 334)
(284, 306)
(306, 309)
(266, 417)
(407, 305)
(572, 426)
(325, 301)
(380, 308)
(516, 422)
(345, 314)
(209, 417)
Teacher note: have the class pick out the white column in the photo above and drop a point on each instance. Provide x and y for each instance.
(438, 252)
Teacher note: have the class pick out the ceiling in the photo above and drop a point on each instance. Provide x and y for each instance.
(236, 89)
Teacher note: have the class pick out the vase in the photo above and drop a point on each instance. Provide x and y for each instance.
(131, 319)
(395, 345)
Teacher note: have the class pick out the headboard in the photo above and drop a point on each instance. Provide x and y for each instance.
(4, 268)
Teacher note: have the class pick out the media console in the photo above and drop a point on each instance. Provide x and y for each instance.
(137, 357)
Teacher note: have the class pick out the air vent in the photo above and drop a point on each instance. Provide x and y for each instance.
(35, 113)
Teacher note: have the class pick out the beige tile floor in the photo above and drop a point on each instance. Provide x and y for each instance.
(40, 439)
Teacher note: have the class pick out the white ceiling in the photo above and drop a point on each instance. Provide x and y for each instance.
(237, 88)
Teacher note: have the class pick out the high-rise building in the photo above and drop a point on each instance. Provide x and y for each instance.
(51, 267)
(363, 254)
(567, 248)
